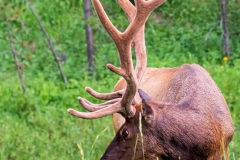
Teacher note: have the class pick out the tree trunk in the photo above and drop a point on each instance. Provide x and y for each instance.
(225, 29)
(89, 37)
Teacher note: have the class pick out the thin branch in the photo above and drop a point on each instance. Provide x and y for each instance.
(23, 26)
(225, 29)
(15, 56)
(213, 28)
(48, 40)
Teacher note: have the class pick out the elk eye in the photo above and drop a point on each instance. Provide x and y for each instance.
(125, 134)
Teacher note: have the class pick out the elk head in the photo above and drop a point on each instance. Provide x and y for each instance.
(182, 115)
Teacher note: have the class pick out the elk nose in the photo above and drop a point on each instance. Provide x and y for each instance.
(105, 157)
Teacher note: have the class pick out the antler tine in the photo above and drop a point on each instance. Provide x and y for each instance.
(94, 107)
(128, 8)
(104, 96)
(107, 24)
(99, 113)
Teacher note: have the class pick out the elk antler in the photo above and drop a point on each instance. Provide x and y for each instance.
(138, 42)
(121, 101)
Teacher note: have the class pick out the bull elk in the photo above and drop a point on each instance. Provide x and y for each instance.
(158, 113)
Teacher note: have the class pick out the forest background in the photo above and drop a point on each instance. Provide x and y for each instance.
(34, 124)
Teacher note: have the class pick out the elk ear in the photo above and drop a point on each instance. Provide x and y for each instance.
(143, 95)
(147, 110)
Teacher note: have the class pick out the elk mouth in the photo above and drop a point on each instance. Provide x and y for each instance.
(117, 151)
(116, 155)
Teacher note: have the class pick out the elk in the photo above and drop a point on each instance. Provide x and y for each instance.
(158, 113)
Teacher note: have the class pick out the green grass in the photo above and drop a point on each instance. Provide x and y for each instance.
(37, 126)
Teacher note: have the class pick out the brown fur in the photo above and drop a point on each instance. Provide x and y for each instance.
(186, 118)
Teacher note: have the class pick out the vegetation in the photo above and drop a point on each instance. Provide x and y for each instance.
(36, 125)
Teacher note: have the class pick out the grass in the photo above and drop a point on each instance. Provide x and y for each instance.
(141, 135)
(37, 126)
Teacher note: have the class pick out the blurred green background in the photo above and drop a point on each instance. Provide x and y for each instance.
(36, 125)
